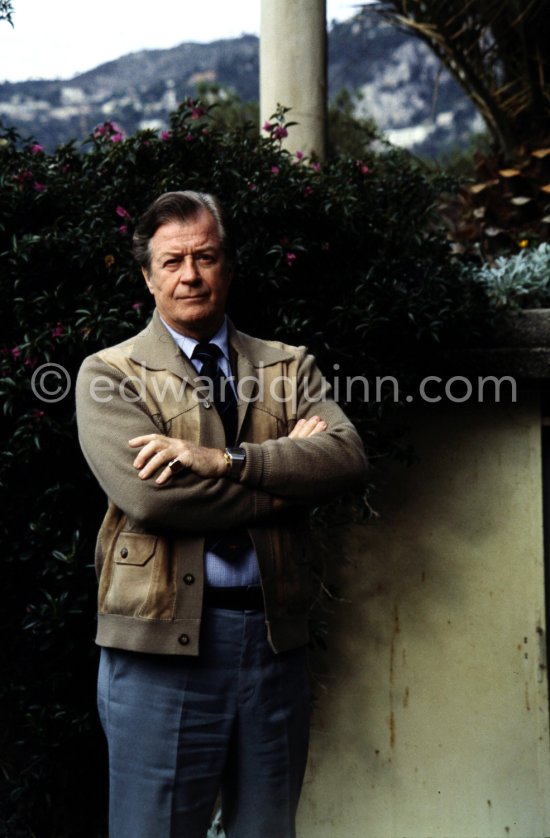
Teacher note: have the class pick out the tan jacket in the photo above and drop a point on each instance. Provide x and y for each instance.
(149, 555)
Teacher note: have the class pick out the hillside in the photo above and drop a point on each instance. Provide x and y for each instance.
(393, 74)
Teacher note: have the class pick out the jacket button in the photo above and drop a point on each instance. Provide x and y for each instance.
(183, 639)
(124, 552)
(188, 578)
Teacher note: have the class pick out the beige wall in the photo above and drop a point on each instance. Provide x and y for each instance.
(432, 716)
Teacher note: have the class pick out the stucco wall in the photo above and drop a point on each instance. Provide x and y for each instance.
(432, 714)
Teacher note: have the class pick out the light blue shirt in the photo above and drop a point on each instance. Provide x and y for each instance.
(220, 339)
(219, 572)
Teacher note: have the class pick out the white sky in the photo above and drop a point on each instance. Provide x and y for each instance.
(61, 38)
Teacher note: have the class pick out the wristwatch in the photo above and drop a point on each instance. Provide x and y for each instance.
(235, 458)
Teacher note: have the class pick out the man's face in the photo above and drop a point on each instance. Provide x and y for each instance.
(189, 276)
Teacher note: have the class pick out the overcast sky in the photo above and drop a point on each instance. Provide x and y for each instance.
(61, 38)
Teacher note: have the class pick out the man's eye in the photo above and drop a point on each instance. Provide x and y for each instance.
(205, 258)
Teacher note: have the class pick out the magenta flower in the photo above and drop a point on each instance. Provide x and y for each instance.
(189, 138)
(290, 257)
(308, 190)
(123, 213)
(363, 168)
(38, 187)
(117, 138)
(275, 170)
(123, 228)
(316, 167)
(136, 306)
(197, 112)
(36, 148)
(107, 129)
(280, 132)
(165, 135)
(299, 155)
(267, 126)
(58, 331)
(15, 352)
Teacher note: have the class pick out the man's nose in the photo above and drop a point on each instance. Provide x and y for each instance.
(189, 271)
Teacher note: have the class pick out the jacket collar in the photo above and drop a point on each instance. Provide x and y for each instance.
(155, 349)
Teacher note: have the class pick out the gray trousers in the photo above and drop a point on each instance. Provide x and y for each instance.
(181, 730)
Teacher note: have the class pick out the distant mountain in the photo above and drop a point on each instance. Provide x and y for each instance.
(393, 74)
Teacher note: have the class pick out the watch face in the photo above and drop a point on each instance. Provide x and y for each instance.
(238, 459)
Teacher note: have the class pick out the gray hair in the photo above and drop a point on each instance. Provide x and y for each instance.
(176, 206)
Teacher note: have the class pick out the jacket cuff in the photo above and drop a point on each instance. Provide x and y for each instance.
(253, 470)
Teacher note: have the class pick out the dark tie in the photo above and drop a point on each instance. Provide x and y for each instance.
(234, 543)
(219, 387)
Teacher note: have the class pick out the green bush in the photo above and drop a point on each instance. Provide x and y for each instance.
(345, 257)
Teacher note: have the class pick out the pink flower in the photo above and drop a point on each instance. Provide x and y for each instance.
(197, 112)
(267, 126)
(308, 190)
(316, 167)
(15, 352)
(290, 257)
(251, 186)
(36, 148)
(165, 135)
(275, 170)
(123, 228)
(58, 331)
(280, 132)
(189, 138)
(117, 138)
(299, 155)
(363, 168)
(106, 128)
(123, 213)
(137, 306)
(38, 187)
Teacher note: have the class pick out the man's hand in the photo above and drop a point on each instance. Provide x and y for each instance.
(158, 450)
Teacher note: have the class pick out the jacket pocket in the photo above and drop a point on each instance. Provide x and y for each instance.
(132, 572)
(134, 548)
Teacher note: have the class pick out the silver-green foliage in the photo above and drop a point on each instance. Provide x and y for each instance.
(518, 281)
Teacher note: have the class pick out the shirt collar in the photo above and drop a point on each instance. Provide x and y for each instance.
(187, 344)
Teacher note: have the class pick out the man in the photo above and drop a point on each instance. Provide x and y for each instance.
(203, 556)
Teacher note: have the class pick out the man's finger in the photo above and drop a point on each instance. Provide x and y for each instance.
(308, 427)
(142, 440)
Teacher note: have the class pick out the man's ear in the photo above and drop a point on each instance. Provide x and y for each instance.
(147, 280)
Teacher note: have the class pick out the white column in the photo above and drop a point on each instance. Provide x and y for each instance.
(293, 69)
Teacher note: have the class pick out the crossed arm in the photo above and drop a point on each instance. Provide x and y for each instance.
(158, 450)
